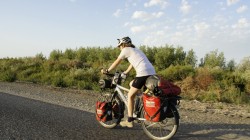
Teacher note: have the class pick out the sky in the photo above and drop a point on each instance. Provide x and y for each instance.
(30, 27)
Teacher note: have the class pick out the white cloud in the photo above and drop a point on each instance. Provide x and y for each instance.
(72, 0)
(231, 2)
(202, 30)
(158, 15)
(127, 24)
(242, 23)
(185, 7)
(117, 13)
(144, 16)
(140, 15)
(161, 3)
(241, 9)
(201, 26)
(137, 29)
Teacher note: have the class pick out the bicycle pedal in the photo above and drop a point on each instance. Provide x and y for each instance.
(137, 121)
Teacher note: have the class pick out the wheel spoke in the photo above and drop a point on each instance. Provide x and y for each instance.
(161, 130)
(115, 120)
(151, 125)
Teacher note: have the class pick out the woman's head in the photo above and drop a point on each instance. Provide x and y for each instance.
(125, 42)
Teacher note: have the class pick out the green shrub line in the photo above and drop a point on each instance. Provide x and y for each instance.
(210, 80)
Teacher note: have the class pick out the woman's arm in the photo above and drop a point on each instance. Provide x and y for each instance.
(128, 69)
(115, 64)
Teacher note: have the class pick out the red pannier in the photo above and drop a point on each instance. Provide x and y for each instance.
(152, 105)
(168, 88)
(103, 113)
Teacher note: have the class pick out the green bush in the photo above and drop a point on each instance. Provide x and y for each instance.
(206, 96)
(84, 85)
(234, 95)
(217, 73)
(246, 74)
(177, 72)
(55, 79)
(8, 76)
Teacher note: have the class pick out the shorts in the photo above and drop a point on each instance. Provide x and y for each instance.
(139, 82)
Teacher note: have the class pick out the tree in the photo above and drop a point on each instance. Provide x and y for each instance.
(231, 65)
(40, 56)
(82, 54)
(55, 55)
(69, 54)
(180, 56)
(191, 59)
(149, 52)
(244, 64)
(164, 57)
(214, 59)
(201, 62)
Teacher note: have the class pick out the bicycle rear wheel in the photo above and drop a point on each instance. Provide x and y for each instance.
(117, 110)
(163, 130)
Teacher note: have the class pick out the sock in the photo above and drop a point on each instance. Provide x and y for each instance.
(130, 119)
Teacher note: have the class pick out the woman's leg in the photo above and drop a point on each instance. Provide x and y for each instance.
(131, 95)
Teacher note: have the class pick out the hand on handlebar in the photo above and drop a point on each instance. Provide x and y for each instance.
(124, 76)
(104, 71)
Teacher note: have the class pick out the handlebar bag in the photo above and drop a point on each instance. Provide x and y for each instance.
(103, 111)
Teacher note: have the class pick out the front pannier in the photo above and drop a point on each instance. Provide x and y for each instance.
(103, 111)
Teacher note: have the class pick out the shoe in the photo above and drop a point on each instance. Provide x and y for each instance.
(126, 123)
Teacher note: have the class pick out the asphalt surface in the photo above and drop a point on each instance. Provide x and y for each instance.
(23, 118)
(28, 119)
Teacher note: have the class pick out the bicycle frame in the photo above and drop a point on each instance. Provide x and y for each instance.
(119, 90)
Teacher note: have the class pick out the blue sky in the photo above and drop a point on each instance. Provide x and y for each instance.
(29, 27)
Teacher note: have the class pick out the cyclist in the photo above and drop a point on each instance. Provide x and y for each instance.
(142, 66)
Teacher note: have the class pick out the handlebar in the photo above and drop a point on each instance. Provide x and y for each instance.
(116, 77)
(109, 74)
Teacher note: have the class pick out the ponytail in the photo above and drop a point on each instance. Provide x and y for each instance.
(129, 45)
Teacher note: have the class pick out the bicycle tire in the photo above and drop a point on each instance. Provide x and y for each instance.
(155, 130)
(115, 119)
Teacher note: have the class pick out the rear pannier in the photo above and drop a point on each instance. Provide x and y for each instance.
(152, 106)
(156, 108)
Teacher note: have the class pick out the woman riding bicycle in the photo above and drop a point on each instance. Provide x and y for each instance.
(142, 66)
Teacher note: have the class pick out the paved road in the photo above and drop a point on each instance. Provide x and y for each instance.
(23, 118)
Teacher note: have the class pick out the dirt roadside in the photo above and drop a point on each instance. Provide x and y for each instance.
(198, 120)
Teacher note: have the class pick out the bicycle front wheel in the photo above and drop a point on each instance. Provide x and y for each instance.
(163, 130)
(117, 110)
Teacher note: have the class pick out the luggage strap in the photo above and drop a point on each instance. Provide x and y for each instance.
(152, 117)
